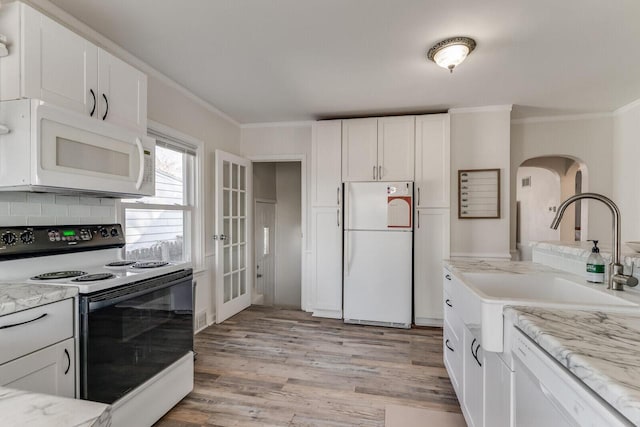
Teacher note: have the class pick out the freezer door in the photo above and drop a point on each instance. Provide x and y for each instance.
(377, 276)
(367, 203)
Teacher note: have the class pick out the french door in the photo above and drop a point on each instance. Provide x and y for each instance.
(233, 190)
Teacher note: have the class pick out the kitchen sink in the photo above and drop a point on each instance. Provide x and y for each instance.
(544, 288)
(480, 298)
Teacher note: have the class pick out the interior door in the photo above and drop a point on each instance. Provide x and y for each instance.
(265, 232)
(233, 189)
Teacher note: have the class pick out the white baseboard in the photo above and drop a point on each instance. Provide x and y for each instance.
(330, 314)
(428, 321)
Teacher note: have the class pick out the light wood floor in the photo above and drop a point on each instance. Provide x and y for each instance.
(279, 367)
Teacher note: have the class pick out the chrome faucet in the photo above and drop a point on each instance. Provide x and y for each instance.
(616, 279)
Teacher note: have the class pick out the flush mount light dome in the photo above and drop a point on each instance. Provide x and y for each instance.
(449, 53)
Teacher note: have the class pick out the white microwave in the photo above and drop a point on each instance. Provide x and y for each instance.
(49, 149)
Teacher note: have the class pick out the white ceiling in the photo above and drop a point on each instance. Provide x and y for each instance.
(287, 60)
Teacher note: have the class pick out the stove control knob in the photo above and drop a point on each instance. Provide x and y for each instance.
(27, 237)
(104, 233)
(9, 238)
(114, 232)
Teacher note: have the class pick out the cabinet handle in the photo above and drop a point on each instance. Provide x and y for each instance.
(379, 172)
(338, 195)
(338, 217)
(448, 277)
(418, 220)
(140, 161)
(93, 110)
(474, 353)
(418, 196)
(374, 172)
(106, 101)
(446, 343)
(42, 316)
(66, 353)
(448, 302)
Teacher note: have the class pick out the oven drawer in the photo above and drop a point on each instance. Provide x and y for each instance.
(36, 328)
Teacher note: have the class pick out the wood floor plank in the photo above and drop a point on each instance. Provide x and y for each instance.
(277, 367)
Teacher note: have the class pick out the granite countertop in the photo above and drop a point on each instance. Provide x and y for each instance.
(601, 349)
(22, 296)
(21, 408)
(474, 265)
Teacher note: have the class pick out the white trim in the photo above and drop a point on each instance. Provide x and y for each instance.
(68, 20)
(627, 108)
(483, 255)
(331, 314)
(298, 124)
(428, 321)
(563, 118)
(302, 158)
(485, 109)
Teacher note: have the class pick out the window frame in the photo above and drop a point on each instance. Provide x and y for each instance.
(193, 215)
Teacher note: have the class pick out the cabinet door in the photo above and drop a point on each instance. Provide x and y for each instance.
(50, 371)
(497, 391)
(60, 67)
(326, 152)
(430, 247)
(432, 161)
(473, 380)
(327, 262)
(396, 144)
(453, 358)
(122, 93)
(360, 150)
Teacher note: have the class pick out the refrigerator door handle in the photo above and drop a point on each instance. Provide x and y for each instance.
(347, 254)
(338, 217)
(338, 196)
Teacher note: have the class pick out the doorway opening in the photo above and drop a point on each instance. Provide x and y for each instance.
(277, 192)
(542, 183)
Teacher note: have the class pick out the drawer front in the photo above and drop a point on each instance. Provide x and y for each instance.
(36, 328)
(453, 358)
(452, 317)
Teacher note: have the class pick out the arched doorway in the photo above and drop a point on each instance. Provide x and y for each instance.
(541, 184)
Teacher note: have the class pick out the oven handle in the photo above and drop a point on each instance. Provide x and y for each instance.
(97, 305)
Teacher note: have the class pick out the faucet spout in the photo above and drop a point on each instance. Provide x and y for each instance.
(616, 276)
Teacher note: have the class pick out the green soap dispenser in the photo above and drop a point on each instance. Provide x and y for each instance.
(595, 265)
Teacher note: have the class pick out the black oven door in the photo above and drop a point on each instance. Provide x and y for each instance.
(131, 333)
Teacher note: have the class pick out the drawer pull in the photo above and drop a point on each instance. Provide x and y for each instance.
(446, 343)
(474, 351)
(25, 322)
(448, 302)
(66, 353)
(448, 277)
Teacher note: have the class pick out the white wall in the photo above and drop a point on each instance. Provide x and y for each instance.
(626, 156)
(288, 235)
(587, 138)
(284, 141)
(480, 139)
(534, 203)
(264, 181)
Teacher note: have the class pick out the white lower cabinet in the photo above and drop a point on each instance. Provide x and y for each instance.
(50, 371)
(327, 262)
(473, 380)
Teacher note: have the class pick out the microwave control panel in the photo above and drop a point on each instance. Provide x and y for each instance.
(23, 242)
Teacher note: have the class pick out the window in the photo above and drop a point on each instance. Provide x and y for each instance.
(161, 227)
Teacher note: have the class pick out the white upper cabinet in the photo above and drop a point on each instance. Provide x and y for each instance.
(359, 149)
(122, 93)
(432, 161)
(47, 61)
(326, 152)
(396, 145)
(378, 149)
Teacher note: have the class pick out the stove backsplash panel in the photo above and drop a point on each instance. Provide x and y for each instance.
(24, 208)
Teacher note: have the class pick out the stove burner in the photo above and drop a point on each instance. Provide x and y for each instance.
(94, 277)
(120, 263)
(59, 275)
(150, 264)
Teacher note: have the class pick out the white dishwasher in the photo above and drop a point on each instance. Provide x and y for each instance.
(547, 394)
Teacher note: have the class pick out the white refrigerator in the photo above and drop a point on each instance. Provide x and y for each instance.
(378, 253)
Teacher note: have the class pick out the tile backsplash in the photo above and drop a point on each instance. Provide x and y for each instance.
(23, 208)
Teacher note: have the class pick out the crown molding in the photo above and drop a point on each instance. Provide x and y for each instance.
(563, 118)
(627, 108)
(74, 24)
(484, 109)
(299, 124)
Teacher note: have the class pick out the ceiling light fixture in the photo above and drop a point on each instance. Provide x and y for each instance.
(449, 53)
